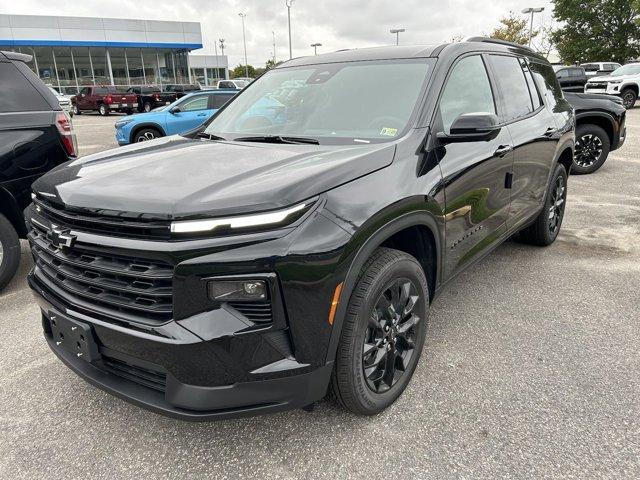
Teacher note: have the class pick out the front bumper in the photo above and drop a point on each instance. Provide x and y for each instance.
(171, 396)
(603, 88)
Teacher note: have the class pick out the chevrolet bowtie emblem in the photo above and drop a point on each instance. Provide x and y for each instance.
(61, 237)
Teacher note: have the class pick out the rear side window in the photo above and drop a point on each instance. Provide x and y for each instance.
(547, 82)
(217, 101)
(535, 94)
(517, 99)
(468, 90)
(562, 73)
(18, 95)
(575, 72)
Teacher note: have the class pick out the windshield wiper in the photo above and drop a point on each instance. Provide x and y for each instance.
(279, 139)
(209, 136)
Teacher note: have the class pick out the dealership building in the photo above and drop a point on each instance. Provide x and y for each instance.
(72, 52)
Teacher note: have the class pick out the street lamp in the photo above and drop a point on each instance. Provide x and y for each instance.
(222, 40)
(288, 3)
(397, 31)
(244, 39)
(315, 47)
(532, 11)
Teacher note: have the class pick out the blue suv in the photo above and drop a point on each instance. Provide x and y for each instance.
(181, 116)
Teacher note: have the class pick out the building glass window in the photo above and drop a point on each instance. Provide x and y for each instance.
(181, 67)
(165, 59)
(134, 61)
(197, 76)
(66, 72)
(151, 66)
(46, 67)
(83, 65)
(119, 66)
(100, 65)
(214, 74)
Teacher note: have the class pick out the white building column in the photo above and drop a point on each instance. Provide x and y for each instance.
(109, 67)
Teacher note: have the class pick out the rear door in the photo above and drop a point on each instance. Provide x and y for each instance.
(474, 172)
(193, 112)
(534, 134)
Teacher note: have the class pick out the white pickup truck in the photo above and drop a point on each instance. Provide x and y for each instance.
(623, 82)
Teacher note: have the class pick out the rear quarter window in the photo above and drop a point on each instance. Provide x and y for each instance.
(18, 94)
(515, 91)
(547, 83)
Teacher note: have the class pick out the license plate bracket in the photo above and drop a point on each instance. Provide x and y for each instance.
(75, 337)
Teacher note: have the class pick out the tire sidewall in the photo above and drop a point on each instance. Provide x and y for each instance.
(370, 400)
(635, 97)
(559, 170)
(103, 110)
(597, 131)
(11, 248)
(146, 107)
(143, 131)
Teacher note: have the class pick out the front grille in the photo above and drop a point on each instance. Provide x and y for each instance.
(254, 311)
(106, 222)
(127, 288)
(143, 376)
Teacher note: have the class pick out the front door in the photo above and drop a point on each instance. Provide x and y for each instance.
(474, 172)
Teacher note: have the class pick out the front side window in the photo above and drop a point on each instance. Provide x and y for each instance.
(547, 83)
(193, 104)
(517, 99)
(468, 90)
(338, 103)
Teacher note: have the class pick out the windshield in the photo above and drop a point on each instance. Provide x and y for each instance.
(340, 103)
(630, 69)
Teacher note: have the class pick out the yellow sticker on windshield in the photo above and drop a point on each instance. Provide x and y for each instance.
(389, 132)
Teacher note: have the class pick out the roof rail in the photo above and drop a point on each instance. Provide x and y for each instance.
(21, 57)
(495, 40)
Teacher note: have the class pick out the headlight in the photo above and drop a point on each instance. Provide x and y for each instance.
(237, 290)
(259, 220)
(122, 123)
(615, 81)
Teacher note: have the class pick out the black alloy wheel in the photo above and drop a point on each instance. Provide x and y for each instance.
(629, 98)
(588, 151)
(389, 342)
(556, 209)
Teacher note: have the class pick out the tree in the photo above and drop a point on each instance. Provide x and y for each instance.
(239, 71)
(597, 30)
(513, 29)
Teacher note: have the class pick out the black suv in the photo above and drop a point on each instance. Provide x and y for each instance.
(35, 136)
(600, 129)
(296, 240)
(150, 97)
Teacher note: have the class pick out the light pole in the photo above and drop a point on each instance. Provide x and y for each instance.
(315, 47)
(288, 3)
(244, 39)
(221, 40)
(532, 11)
(274, 48)
(397, 31)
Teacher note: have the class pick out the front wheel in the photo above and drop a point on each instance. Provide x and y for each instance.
(382, 334)
(592, 149)
(629, 98)
(146, 134)
(103, 110)
(9, 251)
(146, 107)
(546, 227)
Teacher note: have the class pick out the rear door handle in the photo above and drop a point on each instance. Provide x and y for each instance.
(503, 150)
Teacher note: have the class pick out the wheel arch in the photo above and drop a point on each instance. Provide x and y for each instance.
(405, 233)
(601, 120)
(564, 156)
(141, 126)
(632, 86)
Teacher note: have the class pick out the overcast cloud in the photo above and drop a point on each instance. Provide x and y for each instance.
(336, 24)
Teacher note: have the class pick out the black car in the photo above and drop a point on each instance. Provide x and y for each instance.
(571, 79)
(150, 97)
(180, 90)
(600, 129)
(35, 136)
(295, 242)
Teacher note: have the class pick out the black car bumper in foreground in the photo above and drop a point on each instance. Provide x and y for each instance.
(77, 343)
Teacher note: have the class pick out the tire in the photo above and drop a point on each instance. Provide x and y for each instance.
(146, 107)
(545, 229)
(146, 134)
(103, 110)
(76, 110)
(629, 98)
(592, 149)
(364, 340)
(9, 251)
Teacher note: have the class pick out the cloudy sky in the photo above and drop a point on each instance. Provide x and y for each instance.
(334, 23)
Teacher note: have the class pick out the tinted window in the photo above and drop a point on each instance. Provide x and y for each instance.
(103, 90)
(564, 73)
(514, 86)
(219, 100)
(467, 91)
(225, 85)
(197, 103)
(576, 72)
(535, 94)
(547, 83)
(18, 95)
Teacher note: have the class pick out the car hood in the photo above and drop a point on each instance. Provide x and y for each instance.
(177, 177)
(609, 78)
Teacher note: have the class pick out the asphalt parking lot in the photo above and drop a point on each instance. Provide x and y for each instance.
(531, 369)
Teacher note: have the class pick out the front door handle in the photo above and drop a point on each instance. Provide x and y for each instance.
(550, 131)
(202, 115)
(503, 150)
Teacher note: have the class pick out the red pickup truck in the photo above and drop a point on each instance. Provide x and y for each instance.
(104, 99)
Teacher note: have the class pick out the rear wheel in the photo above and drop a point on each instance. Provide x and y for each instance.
(546, 227)
(103, 110)
(76, 110)
(629, 98)
(592, 149)
(382, 334)
(146, 134)
(9, 251)
(146, 107)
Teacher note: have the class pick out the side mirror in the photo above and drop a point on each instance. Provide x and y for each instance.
(175, 110)
(472, 127)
